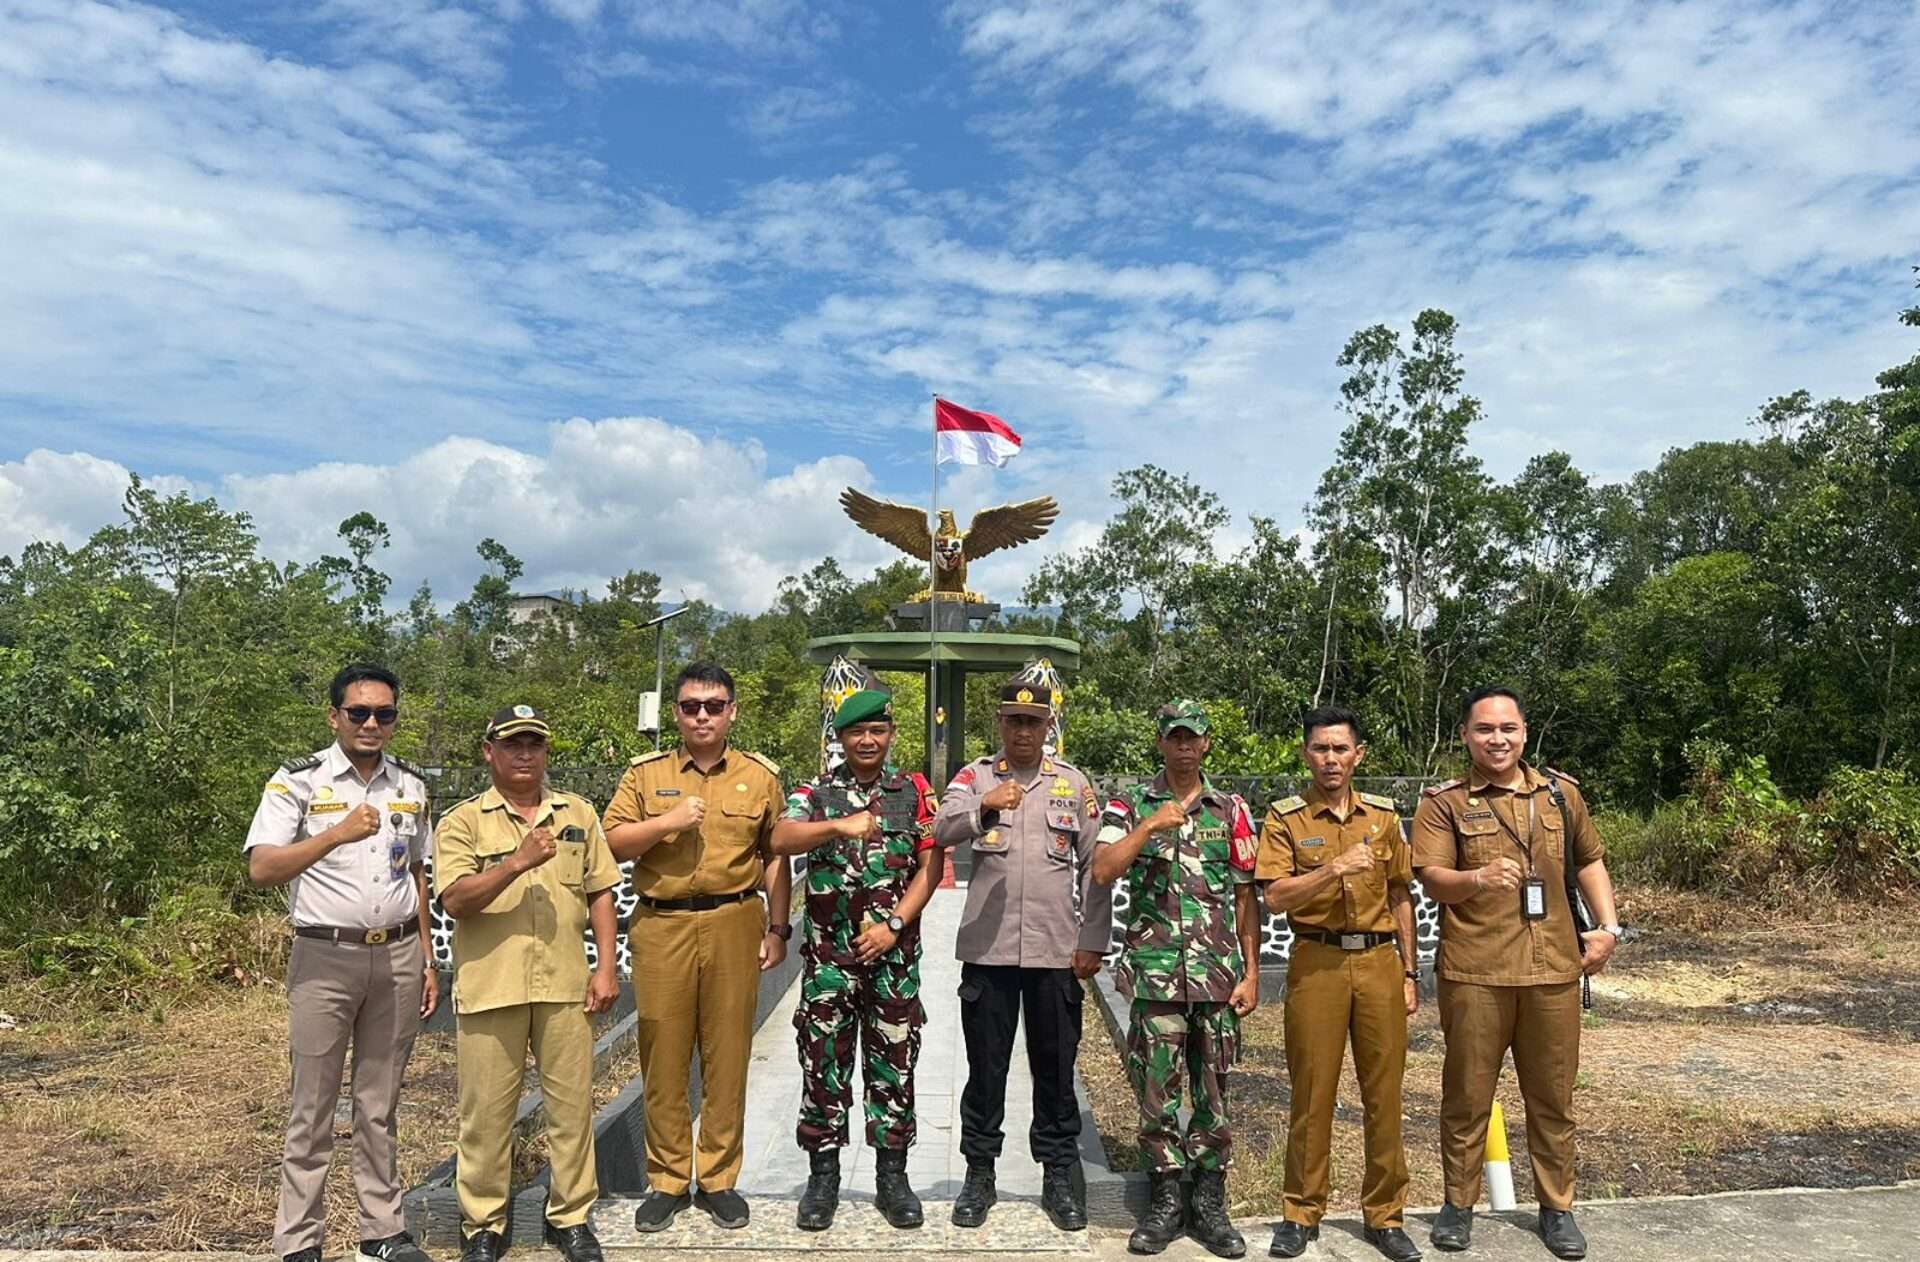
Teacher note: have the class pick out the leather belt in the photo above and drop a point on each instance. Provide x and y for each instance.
(698, 902)
(1345, 941)
(364, 937)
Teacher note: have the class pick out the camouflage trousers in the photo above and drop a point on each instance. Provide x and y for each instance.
(879, 1004)
(1165, 1043)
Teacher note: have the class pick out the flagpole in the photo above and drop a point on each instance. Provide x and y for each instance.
(936, 774)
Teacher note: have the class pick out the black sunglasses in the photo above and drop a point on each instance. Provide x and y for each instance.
(359, 714)
(715, 706)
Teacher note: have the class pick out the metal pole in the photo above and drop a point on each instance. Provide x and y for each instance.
(937, 774)
(659, 679)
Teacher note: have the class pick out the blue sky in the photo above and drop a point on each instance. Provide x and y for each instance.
(643, 283)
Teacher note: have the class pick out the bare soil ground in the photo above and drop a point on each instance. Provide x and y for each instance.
(163, 1130)
(1730, 1047)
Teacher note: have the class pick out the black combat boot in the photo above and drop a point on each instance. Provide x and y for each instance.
(1166, 1214)
(1208, 1223)
(1061, 1195)
(977, 1195)
(822, 1195)
(892, 1194)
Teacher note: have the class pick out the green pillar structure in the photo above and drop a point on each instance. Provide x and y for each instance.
(946, 660)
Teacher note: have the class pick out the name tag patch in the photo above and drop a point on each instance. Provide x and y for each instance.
(1310, 842)
(326, 808)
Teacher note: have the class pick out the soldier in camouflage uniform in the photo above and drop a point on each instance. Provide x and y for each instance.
(868, 833)
(1192, 967)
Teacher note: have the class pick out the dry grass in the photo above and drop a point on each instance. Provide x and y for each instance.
(163, 1130)
(1730, 1048)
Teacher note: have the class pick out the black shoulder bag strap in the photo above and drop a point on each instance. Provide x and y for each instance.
(1582, 922)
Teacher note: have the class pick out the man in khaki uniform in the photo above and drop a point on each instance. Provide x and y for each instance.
(1490, 850)
(524, 870)
(697, 822)
(1334, 861)
(348, 830)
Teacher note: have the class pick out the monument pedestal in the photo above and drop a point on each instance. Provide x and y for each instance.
(948, 615)
(948, 658)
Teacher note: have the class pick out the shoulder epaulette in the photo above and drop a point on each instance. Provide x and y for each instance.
(1286, 806)
(650, 756)
(1435, 790)
(764, 761)
(407, 767)
(301, 764)
(1554, 773)
(462, 802)
(1380, 800)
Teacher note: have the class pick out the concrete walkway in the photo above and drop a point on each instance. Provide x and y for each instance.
(1787, 1226)
(775, 1169)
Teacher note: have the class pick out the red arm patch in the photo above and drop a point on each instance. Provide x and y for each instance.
(1246, 844)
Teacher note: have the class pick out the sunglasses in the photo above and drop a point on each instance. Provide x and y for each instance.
(359, 714)
(716, 706)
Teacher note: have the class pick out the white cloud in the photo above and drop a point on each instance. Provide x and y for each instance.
(63, 497)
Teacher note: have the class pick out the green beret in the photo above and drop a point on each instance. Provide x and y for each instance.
(868, 703)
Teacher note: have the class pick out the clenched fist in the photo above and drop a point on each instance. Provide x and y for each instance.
(1004, 796)
(1502, 874)
(1354, 860)
(535, 849)
(860, 827)
(687, 815)
(1171, 815)
(360, 823)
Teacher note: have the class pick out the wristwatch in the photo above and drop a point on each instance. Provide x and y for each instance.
(896, 924)
(1618, 931)
(782, 932)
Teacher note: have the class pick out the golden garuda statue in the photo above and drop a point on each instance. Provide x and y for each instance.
(909, 529)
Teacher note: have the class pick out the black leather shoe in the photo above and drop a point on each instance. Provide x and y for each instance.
(481, 1246)
(1290, 1239)
(726, 1207)
(977, 1195)
(1207, 1219)
(1563, 1237)
(892, 1193)
(1452, 1228)
(576, 1243)
(1393, 1242)
(822, 1195)
(302, 1255)
(1166, 1214)
(1061, 1197)
(656, 1210)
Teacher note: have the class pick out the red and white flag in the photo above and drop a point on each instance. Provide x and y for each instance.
(963, 436)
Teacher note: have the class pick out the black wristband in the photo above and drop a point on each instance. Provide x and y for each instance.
(782, 932)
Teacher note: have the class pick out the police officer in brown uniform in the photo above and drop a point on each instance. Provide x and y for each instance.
(1335, 862)
(698, 824)
(1035, 925)
(348, 828)
(1490, 850)
(525, 871)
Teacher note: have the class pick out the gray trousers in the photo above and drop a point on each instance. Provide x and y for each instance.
(336, 991)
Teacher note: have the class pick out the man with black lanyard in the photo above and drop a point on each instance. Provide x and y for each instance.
(1491, 850)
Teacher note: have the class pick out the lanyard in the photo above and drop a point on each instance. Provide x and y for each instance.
(1533, 826)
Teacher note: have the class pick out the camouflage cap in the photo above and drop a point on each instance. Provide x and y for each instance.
(862, 706)
(1183, 713)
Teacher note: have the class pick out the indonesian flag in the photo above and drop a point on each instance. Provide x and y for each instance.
(962, 436)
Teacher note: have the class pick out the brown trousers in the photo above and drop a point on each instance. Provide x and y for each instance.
(492, 1050)
(696, 976)
(335, 991)
(1542, 1026)
(1334, 995)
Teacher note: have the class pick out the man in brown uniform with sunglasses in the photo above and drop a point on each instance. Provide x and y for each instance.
(697, 822)
(1491, 850)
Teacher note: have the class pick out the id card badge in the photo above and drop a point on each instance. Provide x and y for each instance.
(399, 859)
(1533, 899)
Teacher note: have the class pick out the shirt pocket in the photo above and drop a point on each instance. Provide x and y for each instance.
(1479, 841)
(737, 820)
(1216, 865)
(570, 863)
(995, 841)
(490, 854)
(1063, 834)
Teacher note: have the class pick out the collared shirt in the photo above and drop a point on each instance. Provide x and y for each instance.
(1301, 834)
(529, 944)
(733, 844)
(1469, 824)
(854, 883)
(1182, 934)
(366, 884)
(1027, 866)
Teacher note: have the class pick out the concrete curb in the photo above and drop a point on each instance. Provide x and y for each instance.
(432, 1208)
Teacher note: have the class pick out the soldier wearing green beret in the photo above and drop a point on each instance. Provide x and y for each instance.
(867, 832)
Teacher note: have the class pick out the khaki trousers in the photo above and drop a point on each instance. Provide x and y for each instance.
(1334, 996)
(696, 976)
(1542, 1026)
(338, 990)
(492, 1052)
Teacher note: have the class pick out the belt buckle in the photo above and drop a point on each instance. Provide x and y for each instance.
(376, 936)
(1353, 942)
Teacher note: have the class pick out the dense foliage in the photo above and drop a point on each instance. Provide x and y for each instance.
(1729, 633)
